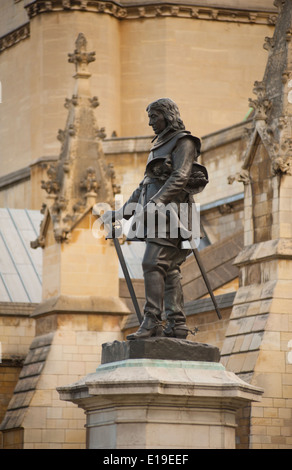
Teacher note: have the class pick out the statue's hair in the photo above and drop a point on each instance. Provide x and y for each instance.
(169, 110)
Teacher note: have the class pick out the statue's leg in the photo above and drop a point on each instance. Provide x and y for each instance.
(162, 279)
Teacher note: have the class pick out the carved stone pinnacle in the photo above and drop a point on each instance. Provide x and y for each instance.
(80, 57)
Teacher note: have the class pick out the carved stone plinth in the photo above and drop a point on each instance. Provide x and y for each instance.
(144, 403)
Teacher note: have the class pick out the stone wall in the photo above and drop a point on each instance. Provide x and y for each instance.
(136, 62)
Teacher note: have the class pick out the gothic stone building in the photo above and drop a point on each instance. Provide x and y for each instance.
(61, 290)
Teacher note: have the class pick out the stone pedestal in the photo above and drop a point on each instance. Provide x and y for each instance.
(158, 403)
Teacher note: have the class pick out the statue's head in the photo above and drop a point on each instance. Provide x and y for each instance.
(164, 109)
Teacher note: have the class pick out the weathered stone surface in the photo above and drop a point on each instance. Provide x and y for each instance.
(160, 404)
(159, 348)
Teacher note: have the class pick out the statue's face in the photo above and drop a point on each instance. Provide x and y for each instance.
(157, 121)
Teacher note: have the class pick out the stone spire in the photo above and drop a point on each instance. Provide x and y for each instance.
(259, 332)
(269, 151)
(273, 106)
(81, 177)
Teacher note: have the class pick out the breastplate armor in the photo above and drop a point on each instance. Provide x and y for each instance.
(159, 162)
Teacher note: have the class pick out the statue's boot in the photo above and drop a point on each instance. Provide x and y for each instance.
(173, 329)
(151, 326)
(175, 326)
(154, 291)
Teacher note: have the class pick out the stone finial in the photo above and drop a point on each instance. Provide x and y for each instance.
(80, 57)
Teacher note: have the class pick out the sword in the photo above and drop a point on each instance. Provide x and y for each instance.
(200, 264)
(205, 277)
(127, 276)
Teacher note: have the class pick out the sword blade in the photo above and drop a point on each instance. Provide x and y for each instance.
(128, 279)
(205, 277)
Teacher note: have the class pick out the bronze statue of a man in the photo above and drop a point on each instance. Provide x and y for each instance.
(171, 176)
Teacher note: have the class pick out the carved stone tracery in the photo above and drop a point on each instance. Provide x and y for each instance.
(89, 182)
(282, 166)
(262, 104)
(132, 12)
(14, 37)
(52, 185)
(150, 10)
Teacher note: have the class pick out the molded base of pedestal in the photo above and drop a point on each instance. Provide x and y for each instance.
(160, 404)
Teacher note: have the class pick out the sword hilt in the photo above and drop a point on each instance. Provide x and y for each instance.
(115, 230)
